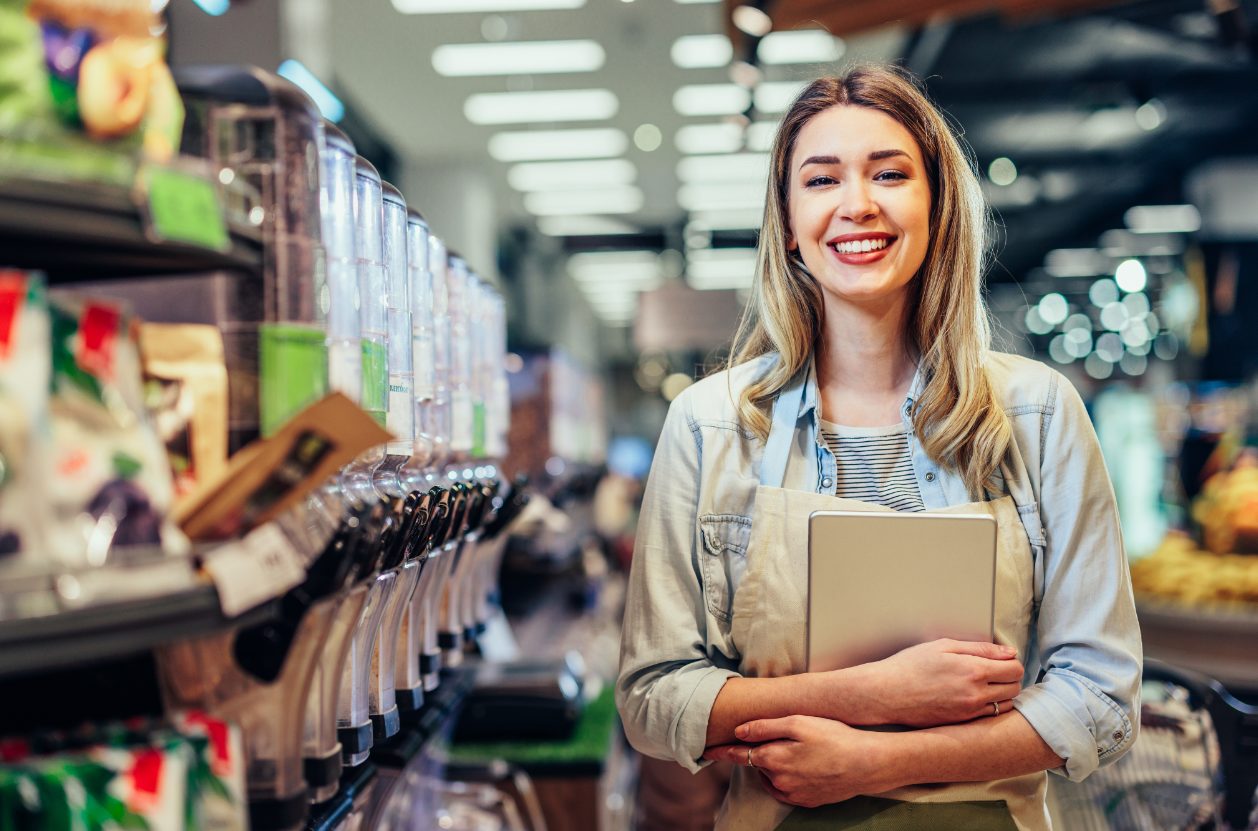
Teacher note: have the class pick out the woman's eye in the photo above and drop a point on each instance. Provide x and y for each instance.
(890, 176)
(817, 181)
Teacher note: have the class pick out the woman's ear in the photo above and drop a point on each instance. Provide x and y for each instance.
(791, 244)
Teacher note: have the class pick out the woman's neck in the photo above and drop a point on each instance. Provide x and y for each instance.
(864, 363)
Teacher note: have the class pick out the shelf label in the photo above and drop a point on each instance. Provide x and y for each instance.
(184, 207)
(261, 566)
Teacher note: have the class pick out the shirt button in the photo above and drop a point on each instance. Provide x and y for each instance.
(1118, 735)
(827, 482)
(930, 477)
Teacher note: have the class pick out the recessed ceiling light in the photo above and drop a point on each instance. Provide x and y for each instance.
(547, 145)
(709, 138)
(648, 138)
(625, 199)
(1163, 219)
(582, 226)
(534, 57)
(711, 99)
(702, 51)
(526, 107)
(799, 46)
(733, 167)
(777, 96)
(535, 176)
(752, 21)
(1003, 172)
(481, 6)
(716, 197)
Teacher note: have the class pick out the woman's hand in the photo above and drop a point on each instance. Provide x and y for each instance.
(945, 682)
(809, 761)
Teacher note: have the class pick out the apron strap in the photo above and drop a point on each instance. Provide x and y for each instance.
(777, 448)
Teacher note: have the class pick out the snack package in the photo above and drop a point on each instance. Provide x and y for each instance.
(110, 483)
(24, 368)
(185, 392)
(103, 72)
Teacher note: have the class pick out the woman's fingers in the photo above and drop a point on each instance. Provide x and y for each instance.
(981, 649)
(1002, 672)
(735, 753)
(768, 729)
(1003, 692)
(993, 708)
(773, 791)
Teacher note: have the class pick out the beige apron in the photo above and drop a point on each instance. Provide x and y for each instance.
(768, 628)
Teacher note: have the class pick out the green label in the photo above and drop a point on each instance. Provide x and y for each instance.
(478, 430)
(293, 370)
(185, 208)
(376, 380)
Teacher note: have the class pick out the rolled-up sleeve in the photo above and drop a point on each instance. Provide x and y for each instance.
(1086, 703)
(667, 682)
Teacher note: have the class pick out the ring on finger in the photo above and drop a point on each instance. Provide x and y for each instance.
(995, 708)
(750, 763)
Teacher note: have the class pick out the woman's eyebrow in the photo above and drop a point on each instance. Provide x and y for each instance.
(876, 156)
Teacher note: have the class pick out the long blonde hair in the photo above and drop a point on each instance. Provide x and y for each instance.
(957, 417)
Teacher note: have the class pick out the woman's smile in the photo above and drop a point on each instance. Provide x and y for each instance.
(860, 249)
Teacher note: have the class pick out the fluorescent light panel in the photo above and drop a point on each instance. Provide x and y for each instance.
(481, 6)
(535, 176)
(582, 226)
(777, 96)
(732, 167)
(708, 138)
(799, 46)
(711, 99)
(719, 196)
(725, 220)
(620, 200)
(1163, 219)
(721, 268)
(329, 105)
(534, 57)
(549, 145)
(526, 107)
(702, 51)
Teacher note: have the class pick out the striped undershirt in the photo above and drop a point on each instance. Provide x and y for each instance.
(873, 464)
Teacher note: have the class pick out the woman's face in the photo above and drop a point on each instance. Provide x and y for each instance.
(859, 204)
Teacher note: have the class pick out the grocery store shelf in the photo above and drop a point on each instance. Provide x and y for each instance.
(112, 629)
(1217, 641)
(86, 231)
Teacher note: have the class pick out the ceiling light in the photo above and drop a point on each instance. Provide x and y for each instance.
(733, 167)
(620, 200)
(1076, 262)
(481, 6)
(1098, 367)
(711, 99)
(533, 176)
(721, 268)
(1103, 292)
(760, 136)
(1151, 115)
(1002, 172)
(800, 46)
(1053, 308)
(518, 58)
(777, 96)
(726, 220)
(1130, 276)
(329, 105)
(702, 51)
(752, 21)
(721, 196)
(582, 226)
(648, 138)
(745, 74)
(708, 138)
(633, 267)
(525, 107)
(544, 145)
(1163, 219)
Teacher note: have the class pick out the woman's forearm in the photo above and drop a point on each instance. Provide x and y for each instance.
(845, 695)
(977, 751)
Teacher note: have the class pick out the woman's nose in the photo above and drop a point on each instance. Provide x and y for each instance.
(856, 203)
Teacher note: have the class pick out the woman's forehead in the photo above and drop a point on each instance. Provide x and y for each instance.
(849, 132)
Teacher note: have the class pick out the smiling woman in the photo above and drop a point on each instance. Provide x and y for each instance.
(865, 381)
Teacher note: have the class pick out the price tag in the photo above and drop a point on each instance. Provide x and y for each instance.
(255, 569)
(184, 207)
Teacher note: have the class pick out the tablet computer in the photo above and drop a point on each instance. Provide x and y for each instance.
(882, 581)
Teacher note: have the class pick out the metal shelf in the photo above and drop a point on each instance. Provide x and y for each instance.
(88, 231)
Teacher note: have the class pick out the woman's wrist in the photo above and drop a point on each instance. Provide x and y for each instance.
(849, 695)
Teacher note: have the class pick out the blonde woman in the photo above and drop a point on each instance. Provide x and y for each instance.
(865, 381)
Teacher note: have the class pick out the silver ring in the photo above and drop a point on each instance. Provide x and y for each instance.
(750, 763)
(995, 709)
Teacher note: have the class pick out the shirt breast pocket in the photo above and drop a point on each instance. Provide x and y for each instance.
(724, 559)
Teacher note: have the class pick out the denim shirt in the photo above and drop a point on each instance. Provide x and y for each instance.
(1081, 691)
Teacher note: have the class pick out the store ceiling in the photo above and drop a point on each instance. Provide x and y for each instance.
(1099, 110)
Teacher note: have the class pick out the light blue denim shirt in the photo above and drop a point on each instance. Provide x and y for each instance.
(1081, 692)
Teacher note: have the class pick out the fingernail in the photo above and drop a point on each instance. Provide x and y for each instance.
(1009, 650)
(741, 731)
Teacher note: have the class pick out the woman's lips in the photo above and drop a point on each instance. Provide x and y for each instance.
(864, 257)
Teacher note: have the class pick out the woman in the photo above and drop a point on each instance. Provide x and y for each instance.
(864, 381)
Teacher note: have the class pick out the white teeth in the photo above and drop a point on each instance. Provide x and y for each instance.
(860, 246)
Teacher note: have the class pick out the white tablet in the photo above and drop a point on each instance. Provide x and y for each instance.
(882, 581)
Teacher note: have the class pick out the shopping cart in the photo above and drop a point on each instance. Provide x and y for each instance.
(1195, 765)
